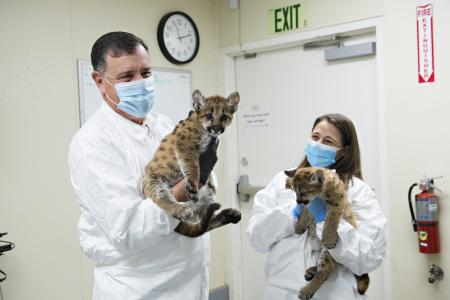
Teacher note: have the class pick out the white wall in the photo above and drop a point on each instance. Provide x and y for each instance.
(40, 43)
(417, 123)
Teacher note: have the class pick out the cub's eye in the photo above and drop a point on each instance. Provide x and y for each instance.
(209, 117)
(223, 118)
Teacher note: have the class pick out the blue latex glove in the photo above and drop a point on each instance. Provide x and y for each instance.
(297, 211)
(317, 207)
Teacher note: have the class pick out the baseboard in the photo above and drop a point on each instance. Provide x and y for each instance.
(219, 293)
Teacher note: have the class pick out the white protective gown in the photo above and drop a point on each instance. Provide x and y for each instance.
(138, 254)
(360, 250)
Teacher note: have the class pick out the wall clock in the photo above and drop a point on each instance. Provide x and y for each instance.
(178, 37)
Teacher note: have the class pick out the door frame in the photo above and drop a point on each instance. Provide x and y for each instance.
(227, 80)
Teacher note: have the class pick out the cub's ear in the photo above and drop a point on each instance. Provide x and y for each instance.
(198, 100)
(317, 178)
(290, 173)
(289, 183)
(233, 101)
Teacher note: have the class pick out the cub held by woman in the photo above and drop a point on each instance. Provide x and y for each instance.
(177, 157)
(309, 183)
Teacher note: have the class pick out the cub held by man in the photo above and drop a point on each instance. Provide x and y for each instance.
(178, 157)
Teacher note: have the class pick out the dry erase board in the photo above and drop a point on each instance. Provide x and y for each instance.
(173, 90)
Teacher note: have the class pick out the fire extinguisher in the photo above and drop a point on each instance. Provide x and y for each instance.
(427, 222)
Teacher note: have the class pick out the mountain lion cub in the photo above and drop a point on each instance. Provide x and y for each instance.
(308, 183)
(178, 157)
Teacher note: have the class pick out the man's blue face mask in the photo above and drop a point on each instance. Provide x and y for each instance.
(136, 97)
(320, 155)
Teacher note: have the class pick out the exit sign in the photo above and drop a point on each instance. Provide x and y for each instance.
(287, 18)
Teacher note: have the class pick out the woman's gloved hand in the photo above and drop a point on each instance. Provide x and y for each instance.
(207, 160)
(317, 207)
(297, 211)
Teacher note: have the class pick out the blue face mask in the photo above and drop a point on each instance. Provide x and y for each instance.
(320, 155)
(136, 97)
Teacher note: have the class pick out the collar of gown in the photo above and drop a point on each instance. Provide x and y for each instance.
(137, 131)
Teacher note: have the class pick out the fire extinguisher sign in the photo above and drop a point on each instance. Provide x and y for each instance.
(425, 43)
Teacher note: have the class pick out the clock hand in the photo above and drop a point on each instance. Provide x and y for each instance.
(178, 32)
(182, 37)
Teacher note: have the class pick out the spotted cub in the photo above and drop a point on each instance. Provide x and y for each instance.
(308, 183)
(178, 157)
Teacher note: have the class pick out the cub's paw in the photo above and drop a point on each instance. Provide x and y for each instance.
(208, 209)
(362, 283)
(191, 191)
(305, 294)
(362, 287)
(214, 206)
(310, 273)
(183, 213)
(330, 240)
(231, 215)
(299, 229)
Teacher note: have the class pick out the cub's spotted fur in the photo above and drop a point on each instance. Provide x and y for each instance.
(178, 157)
(308, 183)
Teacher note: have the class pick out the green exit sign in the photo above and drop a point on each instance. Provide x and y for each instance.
(287, 18)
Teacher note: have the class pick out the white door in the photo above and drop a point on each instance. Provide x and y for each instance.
(282, 92)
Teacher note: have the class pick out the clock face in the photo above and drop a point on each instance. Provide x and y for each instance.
(178, 37)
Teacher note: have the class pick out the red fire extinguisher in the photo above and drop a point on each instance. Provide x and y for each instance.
(426, 223)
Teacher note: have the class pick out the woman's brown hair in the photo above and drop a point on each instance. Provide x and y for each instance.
(348, 162)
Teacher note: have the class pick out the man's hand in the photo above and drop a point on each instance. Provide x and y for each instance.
(207, 160)
(179, 191)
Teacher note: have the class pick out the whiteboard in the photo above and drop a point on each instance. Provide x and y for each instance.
(173, 90)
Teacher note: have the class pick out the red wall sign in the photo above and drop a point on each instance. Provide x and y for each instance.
(425, 43)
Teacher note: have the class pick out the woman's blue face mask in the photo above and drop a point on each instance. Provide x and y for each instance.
(320, 155)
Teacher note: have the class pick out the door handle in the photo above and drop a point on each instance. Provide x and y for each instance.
(245, 189)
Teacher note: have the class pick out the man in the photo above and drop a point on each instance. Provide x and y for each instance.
(138, 254)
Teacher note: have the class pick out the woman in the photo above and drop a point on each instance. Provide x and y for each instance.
(334, 145)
